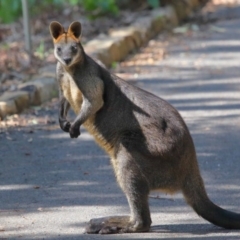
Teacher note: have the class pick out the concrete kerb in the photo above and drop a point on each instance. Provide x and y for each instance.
(108, 49)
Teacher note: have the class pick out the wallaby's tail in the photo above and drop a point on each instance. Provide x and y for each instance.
(196, 196)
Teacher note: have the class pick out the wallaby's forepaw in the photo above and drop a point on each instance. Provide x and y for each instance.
(65, 125)
(114, 224)
(74, 131)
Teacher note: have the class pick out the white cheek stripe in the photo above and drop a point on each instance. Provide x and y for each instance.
(58, 58)
(61, 61)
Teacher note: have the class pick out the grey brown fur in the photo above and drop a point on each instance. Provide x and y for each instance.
(146, 138)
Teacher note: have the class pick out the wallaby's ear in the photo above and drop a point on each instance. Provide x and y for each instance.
(75, 29)
(56, 29)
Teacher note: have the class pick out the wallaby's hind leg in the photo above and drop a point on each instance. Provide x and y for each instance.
(136, 188)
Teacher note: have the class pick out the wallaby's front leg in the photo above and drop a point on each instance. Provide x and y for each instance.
(63, 110)
(92, 96)
(85, 112)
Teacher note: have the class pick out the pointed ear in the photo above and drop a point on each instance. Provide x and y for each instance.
(56, 29)
(75, 29)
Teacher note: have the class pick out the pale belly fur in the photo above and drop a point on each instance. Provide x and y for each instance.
(74, 96)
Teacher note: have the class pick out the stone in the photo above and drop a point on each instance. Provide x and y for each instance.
(45, 89)
(108, 50)
(7, 107)
(143, 26)
(126, 33)
(34, 97)
(21, 99)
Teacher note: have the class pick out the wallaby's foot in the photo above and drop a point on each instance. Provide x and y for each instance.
(74, 131)
(65, 125)
(114, 224)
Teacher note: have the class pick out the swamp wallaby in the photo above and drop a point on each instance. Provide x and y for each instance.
(146, 138)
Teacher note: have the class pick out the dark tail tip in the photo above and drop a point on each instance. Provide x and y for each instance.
(196, 197)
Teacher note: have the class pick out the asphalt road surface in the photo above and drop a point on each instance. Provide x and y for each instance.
(51, 185)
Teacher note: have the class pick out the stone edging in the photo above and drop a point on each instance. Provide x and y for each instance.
(108, 49)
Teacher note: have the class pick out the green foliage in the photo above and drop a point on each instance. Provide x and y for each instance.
(100, 6)
(10, 10)
(73, 2)
(40, 50)
(114, 65)
(154, 3)
(4, 46)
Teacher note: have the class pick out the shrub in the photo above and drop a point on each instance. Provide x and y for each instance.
(10, 10)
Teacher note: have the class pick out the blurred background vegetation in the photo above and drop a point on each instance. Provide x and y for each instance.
(11, 10)
(20, 60)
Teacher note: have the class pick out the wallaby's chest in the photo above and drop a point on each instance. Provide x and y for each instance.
(71, 92)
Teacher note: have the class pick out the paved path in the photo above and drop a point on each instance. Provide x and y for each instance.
(50, 185)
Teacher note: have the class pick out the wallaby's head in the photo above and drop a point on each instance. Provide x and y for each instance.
(67, 46)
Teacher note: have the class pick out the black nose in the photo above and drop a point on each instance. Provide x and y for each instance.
(67, 60)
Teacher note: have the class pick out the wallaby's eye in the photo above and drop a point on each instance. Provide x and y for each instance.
(74, 48)
(59, 49)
